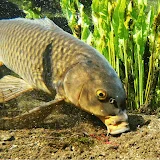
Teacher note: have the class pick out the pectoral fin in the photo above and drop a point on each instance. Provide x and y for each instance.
(31, 118)
(11, 87)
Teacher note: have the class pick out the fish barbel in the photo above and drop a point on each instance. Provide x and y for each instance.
(50, 59)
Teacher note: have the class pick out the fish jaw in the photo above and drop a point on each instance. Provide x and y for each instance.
(116, 124)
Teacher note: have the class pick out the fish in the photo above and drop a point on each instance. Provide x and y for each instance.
(47, 58)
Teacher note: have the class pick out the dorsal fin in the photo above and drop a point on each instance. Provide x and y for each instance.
(45, 22)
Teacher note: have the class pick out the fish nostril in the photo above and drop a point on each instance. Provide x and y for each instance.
(111, 100)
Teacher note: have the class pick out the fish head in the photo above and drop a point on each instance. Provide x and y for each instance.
(100, 92)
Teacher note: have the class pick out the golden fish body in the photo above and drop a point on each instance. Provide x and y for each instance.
(29, 48)
(49, 59)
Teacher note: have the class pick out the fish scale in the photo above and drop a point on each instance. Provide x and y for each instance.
(49, 59)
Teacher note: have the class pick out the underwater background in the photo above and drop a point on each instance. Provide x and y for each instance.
(127, 34)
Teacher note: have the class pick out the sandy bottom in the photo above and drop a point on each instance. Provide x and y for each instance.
(69, 133)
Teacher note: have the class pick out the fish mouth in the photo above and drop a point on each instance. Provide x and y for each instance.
(115, 124)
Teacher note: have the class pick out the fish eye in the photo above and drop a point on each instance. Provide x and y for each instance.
(101, 94)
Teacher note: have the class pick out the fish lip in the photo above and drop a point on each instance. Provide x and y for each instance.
(116, 124)
(112, 129)
(123, 130)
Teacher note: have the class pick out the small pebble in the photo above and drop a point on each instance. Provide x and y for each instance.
(7, 138)
(13, 146)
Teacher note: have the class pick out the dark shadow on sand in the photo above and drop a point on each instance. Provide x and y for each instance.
(136, 121)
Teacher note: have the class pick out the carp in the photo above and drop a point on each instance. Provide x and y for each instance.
(49, 59)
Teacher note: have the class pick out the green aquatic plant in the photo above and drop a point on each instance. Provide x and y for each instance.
(126, 33)
(28, 7)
